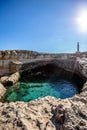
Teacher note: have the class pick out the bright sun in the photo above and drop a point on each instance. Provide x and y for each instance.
(81, 20)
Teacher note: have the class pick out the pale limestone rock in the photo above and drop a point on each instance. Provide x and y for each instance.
(14, 55)
(2, 90)
(3, 79)
(45, 113)
(10, 80)
(14, 77)
(71, 113)
(32, 115)
(83, 66)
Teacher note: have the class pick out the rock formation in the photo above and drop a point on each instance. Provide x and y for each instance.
(2, 90)
(83, 66)
(10, 80)
(46, 113)
(16, 57)
(71, 113)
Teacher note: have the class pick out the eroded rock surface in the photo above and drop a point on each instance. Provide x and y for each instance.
(83, 66)
(71, 114)
(10, 80)
(9, 56)
(35, 115)
(2, 90)
(46, 113)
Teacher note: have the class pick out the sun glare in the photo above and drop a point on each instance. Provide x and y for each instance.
(82, 20)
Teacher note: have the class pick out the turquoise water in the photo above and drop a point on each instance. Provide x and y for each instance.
(30, 91)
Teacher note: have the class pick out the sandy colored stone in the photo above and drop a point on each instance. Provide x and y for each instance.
(2, 90)
(10, 80)
(8, 56)
(46, 113)
(4, 79)
(34, 115)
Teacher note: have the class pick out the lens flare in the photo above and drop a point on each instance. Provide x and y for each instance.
(81, 20)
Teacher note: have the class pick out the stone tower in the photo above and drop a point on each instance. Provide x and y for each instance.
(78, 47)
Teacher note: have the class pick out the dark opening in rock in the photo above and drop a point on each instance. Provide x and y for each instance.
(53, 73)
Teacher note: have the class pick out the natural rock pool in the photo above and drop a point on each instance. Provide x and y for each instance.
(48, 80)
(26, 91)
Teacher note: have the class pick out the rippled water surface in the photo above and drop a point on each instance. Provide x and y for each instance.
(30, 91)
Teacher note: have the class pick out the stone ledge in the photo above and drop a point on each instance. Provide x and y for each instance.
(10, 80)
(2, 91)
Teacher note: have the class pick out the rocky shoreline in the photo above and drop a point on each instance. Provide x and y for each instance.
(46, 113)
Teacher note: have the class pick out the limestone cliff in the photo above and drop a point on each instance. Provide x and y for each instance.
(19, 56)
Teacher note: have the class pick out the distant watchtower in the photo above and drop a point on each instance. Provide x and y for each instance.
(78, 47)
(78, 54)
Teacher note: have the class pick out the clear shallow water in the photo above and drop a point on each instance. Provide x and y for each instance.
(30, 91)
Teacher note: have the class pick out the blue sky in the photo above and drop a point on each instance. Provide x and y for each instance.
(40, 25)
